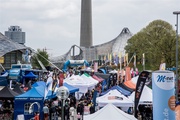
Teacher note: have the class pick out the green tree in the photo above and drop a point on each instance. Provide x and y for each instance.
(42, 56)
(157, 41)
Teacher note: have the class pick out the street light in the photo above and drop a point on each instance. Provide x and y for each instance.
(176, 13)
(62, 93)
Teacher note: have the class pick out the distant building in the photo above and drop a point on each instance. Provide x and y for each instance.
(87, 50)
(15, 34)
(12, 46)
(97, 52)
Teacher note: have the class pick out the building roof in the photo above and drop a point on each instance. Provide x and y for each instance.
(115, 45)
(7, 45)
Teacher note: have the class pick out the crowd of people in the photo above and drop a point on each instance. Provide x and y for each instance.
(6, 109)
(74, 108)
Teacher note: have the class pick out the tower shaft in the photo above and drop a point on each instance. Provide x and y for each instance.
(86, 24)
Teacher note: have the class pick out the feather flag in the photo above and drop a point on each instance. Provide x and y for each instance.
(104, 57)
(127, 58)
(110, 58)
(120, 62)
(134, 61)
(125, 61)
(139, 88)
(143, 62)
(120, 57)
(50, 86)
(162, 66)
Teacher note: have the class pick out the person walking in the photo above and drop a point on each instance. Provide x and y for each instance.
(92, 109)
(36, 117)
(79, 116)
(72, 112)
(46, 112)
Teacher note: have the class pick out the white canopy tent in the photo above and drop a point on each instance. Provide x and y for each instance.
(84, 83)
(146, 96)
(90, 80)
(135, 79)
(114, 97)
(109, 112)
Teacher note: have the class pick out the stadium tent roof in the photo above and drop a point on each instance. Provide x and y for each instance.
(8, 45)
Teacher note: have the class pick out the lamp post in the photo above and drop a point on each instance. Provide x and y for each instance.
(143, 61)
(176, 13)
(62, 93)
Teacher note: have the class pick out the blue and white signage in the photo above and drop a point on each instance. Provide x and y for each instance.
(163, 83)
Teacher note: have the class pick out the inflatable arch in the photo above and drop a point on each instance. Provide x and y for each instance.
(75, 63)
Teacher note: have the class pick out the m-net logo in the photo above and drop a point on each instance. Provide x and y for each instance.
(163, 78)
(164, 81)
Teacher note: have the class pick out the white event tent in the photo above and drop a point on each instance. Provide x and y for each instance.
(83, 82)
(135, 79)
(109, 112)
(146, 96)
(114, 97)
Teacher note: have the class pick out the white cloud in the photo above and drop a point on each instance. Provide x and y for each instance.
(55, 24)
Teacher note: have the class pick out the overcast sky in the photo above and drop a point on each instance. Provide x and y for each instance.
(55, 24)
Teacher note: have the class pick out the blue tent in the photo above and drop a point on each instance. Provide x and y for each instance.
(39, 83)
(22, 102)
(50, 95)
(3, 79)
(30, 75)
(120, 89)
(71, 89)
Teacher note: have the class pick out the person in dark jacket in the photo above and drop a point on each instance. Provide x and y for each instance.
(92, 109)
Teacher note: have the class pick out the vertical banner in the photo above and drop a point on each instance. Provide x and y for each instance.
(95, 95)
(163, 95)
(95, 66)
(139, 87)
(128, 74)
(135, 61)
(61, 79)
(110, 58)
(127, 59)
(143, 62)
(124, 60)
(162, 66)
(120, 64)
(122, 75)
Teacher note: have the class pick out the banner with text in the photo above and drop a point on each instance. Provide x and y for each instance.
(163, 95)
